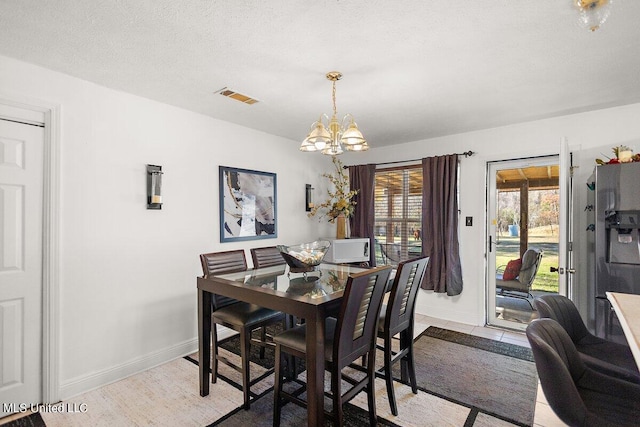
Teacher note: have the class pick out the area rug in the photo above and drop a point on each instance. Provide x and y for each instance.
(496, 378)
(480, 376)
(31, 420)
(261, 415)
(506, 349)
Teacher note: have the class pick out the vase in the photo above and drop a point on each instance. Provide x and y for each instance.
(341, 229)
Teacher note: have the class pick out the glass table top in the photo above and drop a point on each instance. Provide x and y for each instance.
(325, 280)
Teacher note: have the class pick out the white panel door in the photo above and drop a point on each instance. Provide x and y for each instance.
(21, 195)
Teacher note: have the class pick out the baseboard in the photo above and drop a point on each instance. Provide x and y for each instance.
(85, 383)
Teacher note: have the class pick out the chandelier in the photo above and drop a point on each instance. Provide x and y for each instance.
(332, 138)
(593, 13)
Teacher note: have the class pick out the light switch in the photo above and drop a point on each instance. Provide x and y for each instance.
(468, 221)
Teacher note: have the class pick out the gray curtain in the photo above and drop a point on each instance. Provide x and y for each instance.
(362, 178)
(440, 224)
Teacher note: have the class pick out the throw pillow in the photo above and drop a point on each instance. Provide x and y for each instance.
(512, 269)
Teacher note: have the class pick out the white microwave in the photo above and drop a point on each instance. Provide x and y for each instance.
(347, 250)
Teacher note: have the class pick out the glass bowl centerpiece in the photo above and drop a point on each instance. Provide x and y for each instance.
(304, 257)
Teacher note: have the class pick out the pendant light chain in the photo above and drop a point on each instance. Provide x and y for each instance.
(335, 110)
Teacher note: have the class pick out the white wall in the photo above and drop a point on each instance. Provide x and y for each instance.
(128, 274)
(608, 128)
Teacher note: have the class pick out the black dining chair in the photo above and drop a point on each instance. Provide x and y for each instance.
(347, 338)
(266, 257)
(239, 316)
(578, 394)
(600, 354)
(270, 256)
(397, 318)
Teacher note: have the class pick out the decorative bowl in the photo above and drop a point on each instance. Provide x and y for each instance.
(305, 256)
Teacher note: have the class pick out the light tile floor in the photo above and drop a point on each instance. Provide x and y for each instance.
(544, 415)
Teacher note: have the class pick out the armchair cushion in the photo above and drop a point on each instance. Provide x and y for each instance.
(512, 270)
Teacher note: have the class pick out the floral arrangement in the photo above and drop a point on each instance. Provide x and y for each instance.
(623, 154)
(340, 199)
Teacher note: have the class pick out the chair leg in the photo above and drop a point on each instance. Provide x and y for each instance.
(371, 390)
(292, 364)
(214, 355)
(277, 387)
(263, 338)
(336, 390)
(388, 376)
(245, 343)
(406, 340)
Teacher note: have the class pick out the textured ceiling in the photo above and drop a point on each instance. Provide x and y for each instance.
(413, 69)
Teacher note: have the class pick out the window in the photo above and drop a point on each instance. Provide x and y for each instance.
(398, 214)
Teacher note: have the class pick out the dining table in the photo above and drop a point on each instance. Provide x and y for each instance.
(311, 296)
(627, 308)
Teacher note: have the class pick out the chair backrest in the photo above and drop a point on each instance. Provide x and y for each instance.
(402, 297)
(222, 263)
(357, 324)
(530, 264)
(559, 368)
(266, 257)
(562, 310)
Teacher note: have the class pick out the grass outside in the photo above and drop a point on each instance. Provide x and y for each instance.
(508, 248)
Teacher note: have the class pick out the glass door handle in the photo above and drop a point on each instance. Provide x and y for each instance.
(491, 243)
(562, 270)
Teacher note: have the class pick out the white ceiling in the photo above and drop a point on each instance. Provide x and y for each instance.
(413, 69)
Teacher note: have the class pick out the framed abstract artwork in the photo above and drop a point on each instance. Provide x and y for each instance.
(248, 208)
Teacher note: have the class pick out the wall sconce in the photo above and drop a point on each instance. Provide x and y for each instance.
(308, 201)
(154, 187)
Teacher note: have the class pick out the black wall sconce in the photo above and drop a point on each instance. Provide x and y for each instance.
(154, 187)
(308, 200)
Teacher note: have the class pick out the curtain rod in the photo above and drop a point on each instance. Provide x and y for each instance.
(465, 154)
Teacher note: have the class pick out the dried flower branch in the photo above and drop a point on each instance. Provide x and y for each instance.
(340, 198)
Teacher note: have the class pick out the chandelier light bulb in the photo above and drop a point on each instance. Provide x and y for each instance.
(593, 13)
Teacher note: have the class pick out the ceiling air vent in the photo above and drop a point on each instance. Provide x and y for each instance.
(237, 96)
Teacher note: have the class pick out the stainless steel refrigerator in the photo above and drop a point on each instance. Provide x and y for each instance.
(613, 238)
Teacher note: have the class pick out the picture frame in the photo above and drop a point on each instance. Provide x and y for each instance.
(248, 204)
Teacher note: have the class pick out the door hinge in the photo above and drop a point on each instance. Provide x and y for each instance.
(570, 246)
